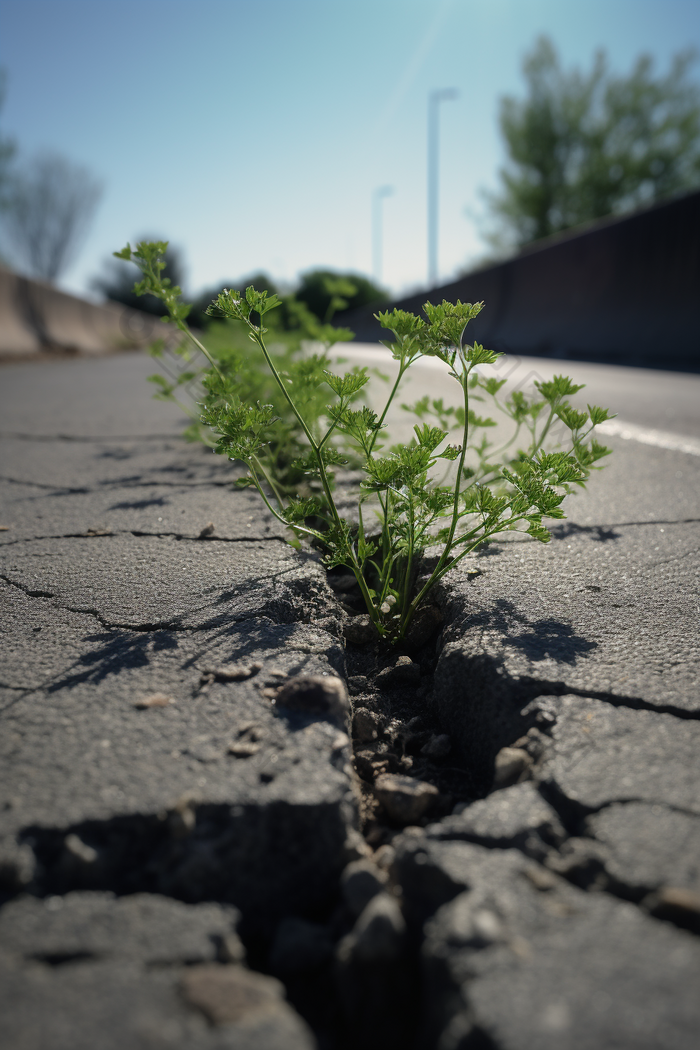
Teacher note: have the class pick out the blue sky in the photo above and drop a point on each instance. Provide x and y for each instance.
(252, 133)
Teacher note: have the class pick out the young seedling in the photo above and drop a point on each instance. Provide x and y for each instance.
(499, 490)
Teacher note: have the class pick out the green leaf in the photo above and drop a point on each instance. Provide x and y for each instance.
(557, 388)
(598, 415)
(299, 509)
(451, 452)
(347, 385)
(429, 437)
(538, 532)
(479, 355)
(571, 416)
(491, 385)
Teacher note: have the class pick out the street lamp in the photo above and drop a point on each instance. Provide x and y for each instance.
(434, 100)
(377, 213)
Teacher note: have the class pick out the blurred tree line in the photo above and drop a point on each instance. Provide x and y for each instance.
(580, 146)
(319, 296)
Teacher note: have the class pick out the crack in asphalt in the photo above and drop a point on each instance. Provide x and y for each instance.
(252, 538)
(106, 438)
(634, 703)
(124, 483)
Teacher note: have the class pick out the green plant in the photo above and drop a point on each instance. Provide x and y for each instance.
(231, 368)
(498, 490)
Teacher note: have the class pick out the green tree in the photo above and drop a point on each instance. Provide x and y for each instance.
(326, 293)
(585, 145)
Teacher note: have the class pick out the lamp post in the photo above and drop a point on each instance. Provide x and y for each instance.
(434, 100)
(377, 232)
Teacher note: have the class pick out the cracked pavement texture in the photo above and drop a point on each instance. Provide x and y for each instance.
(108, 596)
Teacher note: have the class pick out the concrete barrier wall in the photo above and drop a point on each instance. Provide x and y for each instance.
(36, 318)
(625, 291)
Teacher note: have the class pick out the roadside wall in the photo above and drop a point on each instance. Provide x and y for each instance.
(624, 291)
(36, 318)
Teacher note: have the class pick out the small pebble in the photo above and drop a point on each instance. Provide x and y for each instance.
(404, 799)
(153, 700)
(244, 748)
(510, 766)
(402, 671)
(322, 695)
(232, 672)
(360, 630)
(366, 725)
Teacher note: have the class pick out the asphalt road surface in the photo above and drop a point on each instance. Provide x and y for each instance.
(130, 569)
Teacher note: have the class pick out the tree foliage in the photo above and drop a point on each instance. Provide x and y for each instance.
(326, 292)
(585, 145)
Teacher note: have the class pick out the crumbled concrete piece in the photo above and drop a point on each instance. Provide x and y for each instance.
(402, 671)
(359, 630)
(208, 530)
(227, 994)
(360, 882)
(645, 846)
(373, 976)
(580, 970)
(357, 684)
(509, 766)
(299, 945)
(516, 816)
(145, 928)
(405, 800)
(366, 725)
(321, 695)
(232, 996)
(601, 754)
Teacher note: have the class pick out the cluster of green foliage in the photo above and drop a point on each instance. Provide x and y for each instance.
(403, 506)
(194, 375)
(585, 145)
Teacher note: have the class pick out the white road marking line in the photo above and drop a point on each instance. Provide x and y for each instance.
(647, 436)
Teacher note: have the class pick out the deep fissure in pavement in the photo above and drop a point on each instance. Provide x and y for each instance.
(195, 852)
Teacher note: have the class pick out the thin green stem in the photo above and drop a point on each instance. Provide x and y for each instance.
(403, 366)
(302, 422)
(268, 479)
